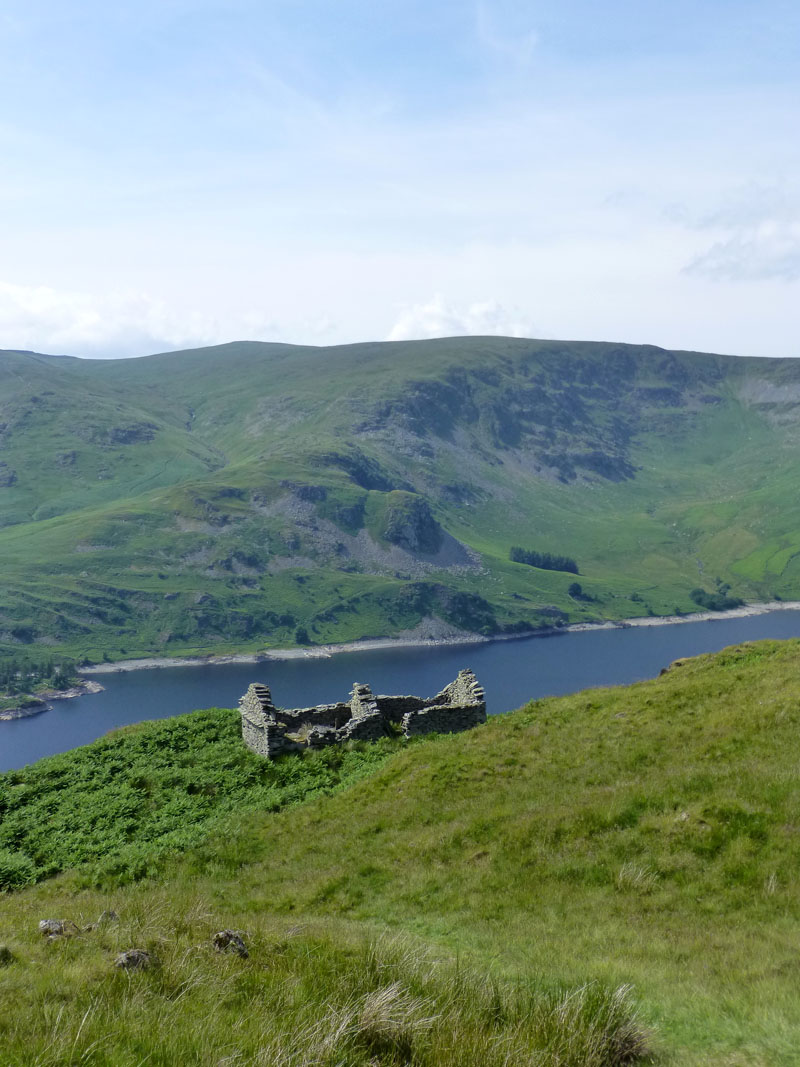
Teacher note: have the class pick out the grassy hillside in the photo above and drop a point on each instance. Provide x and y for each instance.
(644, 835)
(250, 495)
(120, 806)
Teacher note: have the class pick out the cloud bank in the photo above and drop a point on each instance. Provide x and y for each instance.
(83, 324)
(760, 236)
(438, 318)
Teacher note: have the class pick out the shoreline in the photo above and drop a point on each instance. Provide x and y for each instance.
(25, 711)
(377, 643)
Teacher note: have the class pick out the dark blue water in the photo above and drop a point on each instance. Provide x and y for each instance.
(512, 673)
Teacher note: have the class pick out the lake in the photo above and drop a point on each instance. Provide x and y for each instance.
(512, 673)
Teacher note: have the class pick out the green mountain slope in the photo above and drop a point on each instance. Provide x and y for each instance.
(642, 835)
(251, 495)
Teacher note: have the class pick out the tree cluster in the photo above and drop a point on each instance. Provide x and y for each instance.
(19, 674)
(719, 601)
(545, 560)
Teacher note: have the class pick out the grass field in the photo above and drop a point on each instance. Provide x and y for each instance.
(642, 836)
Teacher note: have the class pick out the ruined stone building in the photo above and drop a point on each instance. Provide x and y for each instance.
(271, 731)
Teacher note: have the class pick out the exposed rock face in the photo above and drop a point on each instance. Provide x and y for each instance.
(135, 433)
(364, 470)
(271, 731)
(408, 522)
(8, 476)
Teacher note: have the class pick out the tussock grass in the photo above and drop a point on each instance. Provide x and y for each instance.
(635, 878)
(305, 997)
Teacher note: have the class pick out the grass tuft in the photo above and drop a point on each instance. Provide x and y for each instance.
(637, 879)
(309, 999)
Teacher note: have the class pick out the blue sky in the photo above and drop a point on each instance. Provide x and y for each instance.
(180, 172)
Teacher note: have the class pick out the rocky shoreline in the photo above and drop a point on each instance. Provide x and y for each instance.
(24, 711)
(40, 702)
(449, 636)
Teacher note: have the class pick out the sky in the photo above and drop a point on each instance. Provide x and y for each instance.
(183, 172)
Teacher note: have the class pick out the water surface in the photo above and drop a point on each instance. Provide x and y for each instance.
(512, 673)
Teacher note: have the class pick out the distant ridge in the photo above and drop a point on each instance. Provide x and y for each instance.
(256, 494)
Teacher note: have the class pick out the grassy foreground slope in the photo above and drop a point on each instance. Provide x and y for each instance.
(257, 495)
(644, 835)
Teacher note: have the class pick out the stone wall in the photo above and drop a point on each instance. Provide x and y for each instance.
(257, 711)
(460, 706)
(320, 715)
(444, 719)
(275, 741)
(367, 723)
(272, 731)
(394, 708)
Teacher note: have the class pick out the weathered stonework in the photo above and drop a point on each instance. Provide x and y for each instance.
(272, 731)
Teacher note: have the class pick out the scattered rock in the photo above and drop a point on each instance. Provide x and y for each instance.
(109, 916)
(134, 959)
(230, 941)
(51, 928)
(6, 956)
(136, 433)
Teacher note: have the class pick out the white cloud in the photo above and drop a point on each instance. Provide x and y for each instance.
(125, 323)
(116, 324)
(107, 325)
(437, 318)
(770, 251)
(758, 229)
